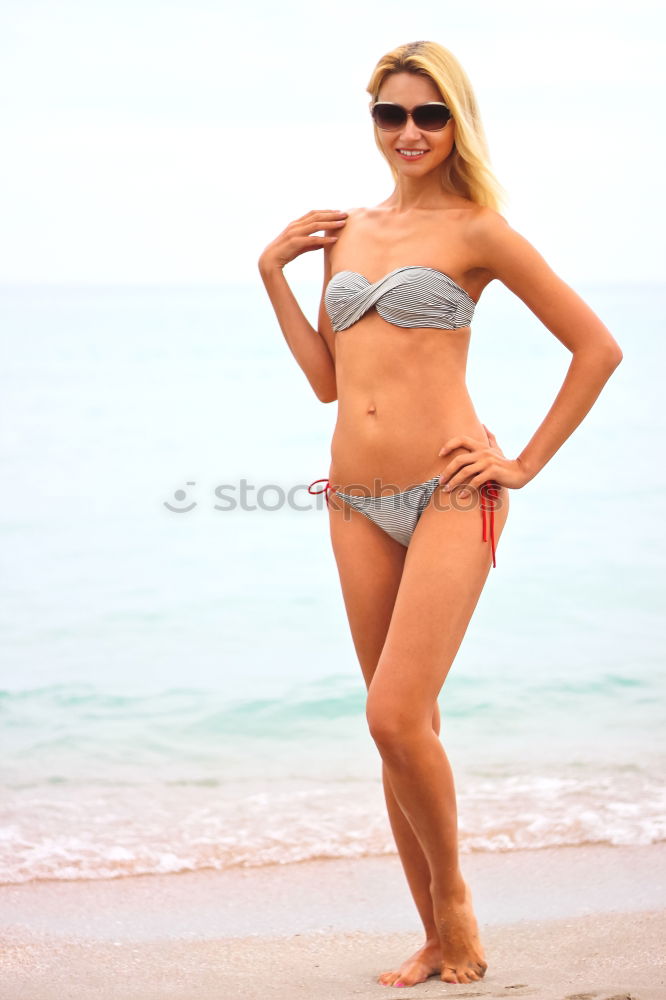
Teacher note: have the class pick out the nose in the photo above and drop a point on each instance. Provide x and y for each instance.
(410, 131)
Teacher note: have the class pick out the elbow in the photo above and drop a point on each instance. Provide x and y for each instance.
(606, 357)
(607, 363)
(326, 391)
(613, 351)
(614, 357)
(326, 396)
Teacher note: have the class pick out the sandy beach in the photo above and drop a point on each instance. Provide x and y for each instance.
(578, 923)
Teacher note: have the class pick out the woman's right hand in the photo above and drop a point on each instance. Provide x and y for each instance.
(298, 237)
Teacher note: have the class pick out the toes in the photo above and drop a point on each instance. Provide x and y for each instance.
(399, 979)
(412, 972)
(473, 972)
(451, 975)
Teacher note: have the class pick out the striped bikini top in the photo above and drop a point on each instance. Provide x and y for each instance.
(410, 296)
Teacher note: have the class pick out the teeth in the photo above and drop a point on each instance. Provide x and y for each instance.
(412, 152)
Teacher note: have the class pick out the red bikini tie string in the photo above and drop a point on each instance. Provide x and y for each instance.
(325, 489)
(489, 494)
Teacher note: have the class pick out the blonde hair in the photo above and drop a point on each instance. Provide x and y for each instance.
(467, 170)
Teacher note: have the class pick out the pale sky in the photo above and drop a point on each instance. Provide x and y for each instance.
(169, 142)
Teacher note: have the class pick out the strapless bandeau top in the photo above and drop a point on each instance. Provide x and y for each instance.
(410, 296)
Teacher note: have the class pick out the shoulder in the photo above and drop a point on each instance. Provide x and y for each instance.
(478, 225)
(505, 254)
(358, 214)
(354, 215)
(489, 235)
(485, 224)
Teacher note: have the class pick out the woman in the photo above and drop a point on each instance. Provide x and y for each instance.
(412, 464)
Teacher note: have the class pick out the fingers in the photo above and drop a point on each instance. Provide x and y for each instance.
(471, 477)
(323, 213)
(319, 222)
(311, 219)
(462, 441)
(313, 223)
(458, 463)
(492, 441)
(306, 234)
(465, 441)
(452, 478)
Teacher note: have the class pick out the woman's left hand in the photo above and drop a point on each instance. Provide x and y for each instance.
(483, 461)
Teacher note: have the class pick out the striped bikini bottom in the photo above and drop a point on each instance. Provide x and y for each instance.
(398, 513)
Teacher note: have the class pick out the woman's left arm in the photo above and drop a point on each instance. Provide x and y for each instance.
(509, 257)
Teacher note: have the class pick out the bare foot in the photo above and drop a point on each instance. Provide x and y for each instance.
(463, 959)
(417, 968)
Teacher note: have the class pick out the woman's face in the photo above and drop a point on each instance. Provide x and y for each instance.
(410, 90)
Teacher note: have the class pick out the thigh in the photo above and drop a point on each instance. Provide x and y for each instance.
(445, 569)
(370, 565)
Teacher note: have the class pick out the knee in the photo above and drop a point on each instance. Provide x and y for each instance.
(436, 719)
(385, 729)
(394, 726)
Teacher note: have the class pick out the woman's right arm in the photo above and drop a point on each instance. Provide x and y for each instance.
(306, 344)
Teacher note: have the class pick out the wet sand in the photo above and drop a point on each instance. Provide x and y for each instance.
(587, 923)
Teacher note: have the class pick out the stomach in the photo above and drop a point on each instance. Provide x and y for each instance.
(402, 395)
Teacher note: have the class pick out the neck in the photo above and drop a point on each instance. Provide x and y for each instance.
(416, 193)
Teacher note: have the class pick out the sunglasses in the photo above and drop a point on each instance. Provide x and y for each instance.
(431, 117)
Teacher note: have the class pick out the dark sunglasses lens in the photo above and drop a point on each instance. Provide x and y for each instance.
(431, 117)
(389, 116)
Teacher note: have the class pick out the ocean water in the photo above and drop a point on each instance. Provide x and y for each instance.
(178, 686)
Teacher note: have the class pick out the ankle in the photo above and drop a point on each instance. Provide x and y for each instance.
(432, 940)
(453, 890)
